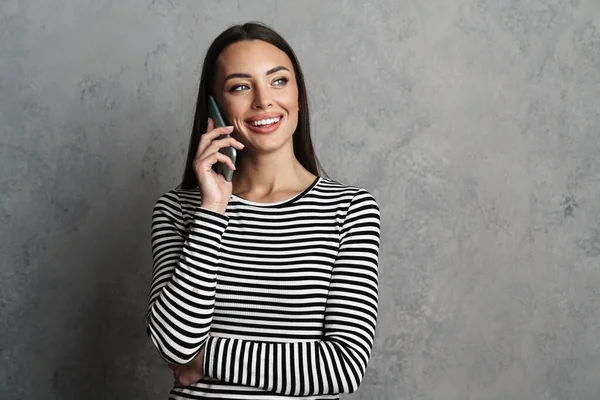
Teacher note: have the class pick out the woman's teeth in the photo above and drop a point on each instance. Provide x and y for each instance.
(269, 121)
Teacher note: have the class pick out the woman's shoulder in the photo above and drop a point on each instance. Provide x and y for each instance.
(336, 188)
(179, 201)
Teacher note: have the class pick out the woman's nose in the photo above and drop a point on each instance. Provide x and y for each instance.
(262, 98)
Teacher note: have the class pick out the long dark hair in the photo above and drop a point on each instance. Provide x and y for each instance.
(303, 147)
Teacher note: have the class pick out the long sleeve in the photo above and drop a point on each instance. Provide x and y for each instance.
(182, 291)
(337, 362)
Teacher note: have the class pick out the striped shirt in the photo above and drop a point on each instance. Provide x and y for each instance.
(282, 295)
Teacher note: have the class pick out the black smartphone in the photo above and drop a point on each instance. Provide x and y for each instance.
(215, 114)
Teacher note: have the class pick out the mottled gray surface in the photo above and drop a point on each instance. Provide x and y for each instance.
(474, 122)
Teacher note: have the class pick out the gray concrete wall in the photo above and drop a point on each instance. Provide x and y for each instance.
(474, 122)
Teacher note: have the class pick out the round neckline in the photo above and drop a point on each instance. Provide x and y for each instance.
(278, 203)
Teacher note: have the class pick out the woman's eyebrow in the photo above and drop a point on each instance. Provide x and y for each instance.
(248, 76)
(277, 69)
(237, 75)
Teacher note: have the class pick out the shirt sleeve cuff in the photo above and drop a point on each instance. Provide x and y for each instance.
(207, 214)
(209, 364)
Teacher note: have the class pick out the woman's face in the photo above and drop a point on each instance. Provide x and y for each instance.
(255, 87)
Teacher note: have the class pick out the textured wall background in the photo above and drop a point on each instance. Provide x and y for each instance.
(474, 122)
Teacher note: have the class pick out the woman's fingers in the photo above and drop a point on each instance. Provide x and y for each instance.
(214, 148)
(210, 135)
(216, 190)
(204, 149)
(216, 145)
(186, 377)
(212, 132)
(205, 164)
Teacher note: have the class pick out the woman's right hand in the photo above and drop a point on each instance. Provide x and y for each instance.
(215, 189)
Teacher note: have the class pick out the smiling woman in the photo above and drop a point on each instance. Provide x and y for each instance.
(265, 286)
(256, 85)
(213, 64)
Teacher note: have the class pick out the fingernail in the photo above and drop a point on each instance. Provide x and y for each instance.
(242, 144)
(230, 128)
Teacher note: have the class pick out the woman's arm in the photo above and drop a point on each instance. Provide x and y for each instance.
(336, 363)
(182, 292)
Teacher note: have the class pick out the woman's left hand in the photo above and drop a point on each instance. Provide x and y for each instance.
(186, 375)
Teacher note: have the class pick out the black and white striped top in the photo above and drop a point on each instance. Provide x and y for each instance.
(283, 295)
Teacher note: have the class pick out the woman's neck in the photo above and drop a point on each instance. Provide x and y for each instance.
(270, 177)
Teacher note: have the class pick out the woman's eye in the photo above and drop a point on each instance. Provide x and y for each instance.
(280, 81)
(239, 88)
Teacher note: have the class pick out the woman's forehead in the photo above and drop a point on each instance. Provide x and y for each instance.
(250, 56)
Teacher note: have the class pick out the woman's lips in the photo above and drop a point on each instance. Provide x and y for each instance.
(264, 128)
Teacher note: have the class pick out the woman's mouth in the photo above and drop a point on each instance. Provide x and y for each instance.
(264, 125)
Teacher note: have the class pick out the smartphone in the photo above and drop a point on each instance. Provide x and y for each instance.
(215, 114)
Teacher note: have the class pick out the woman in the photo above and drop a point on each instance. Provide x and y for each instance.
(263, 287)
